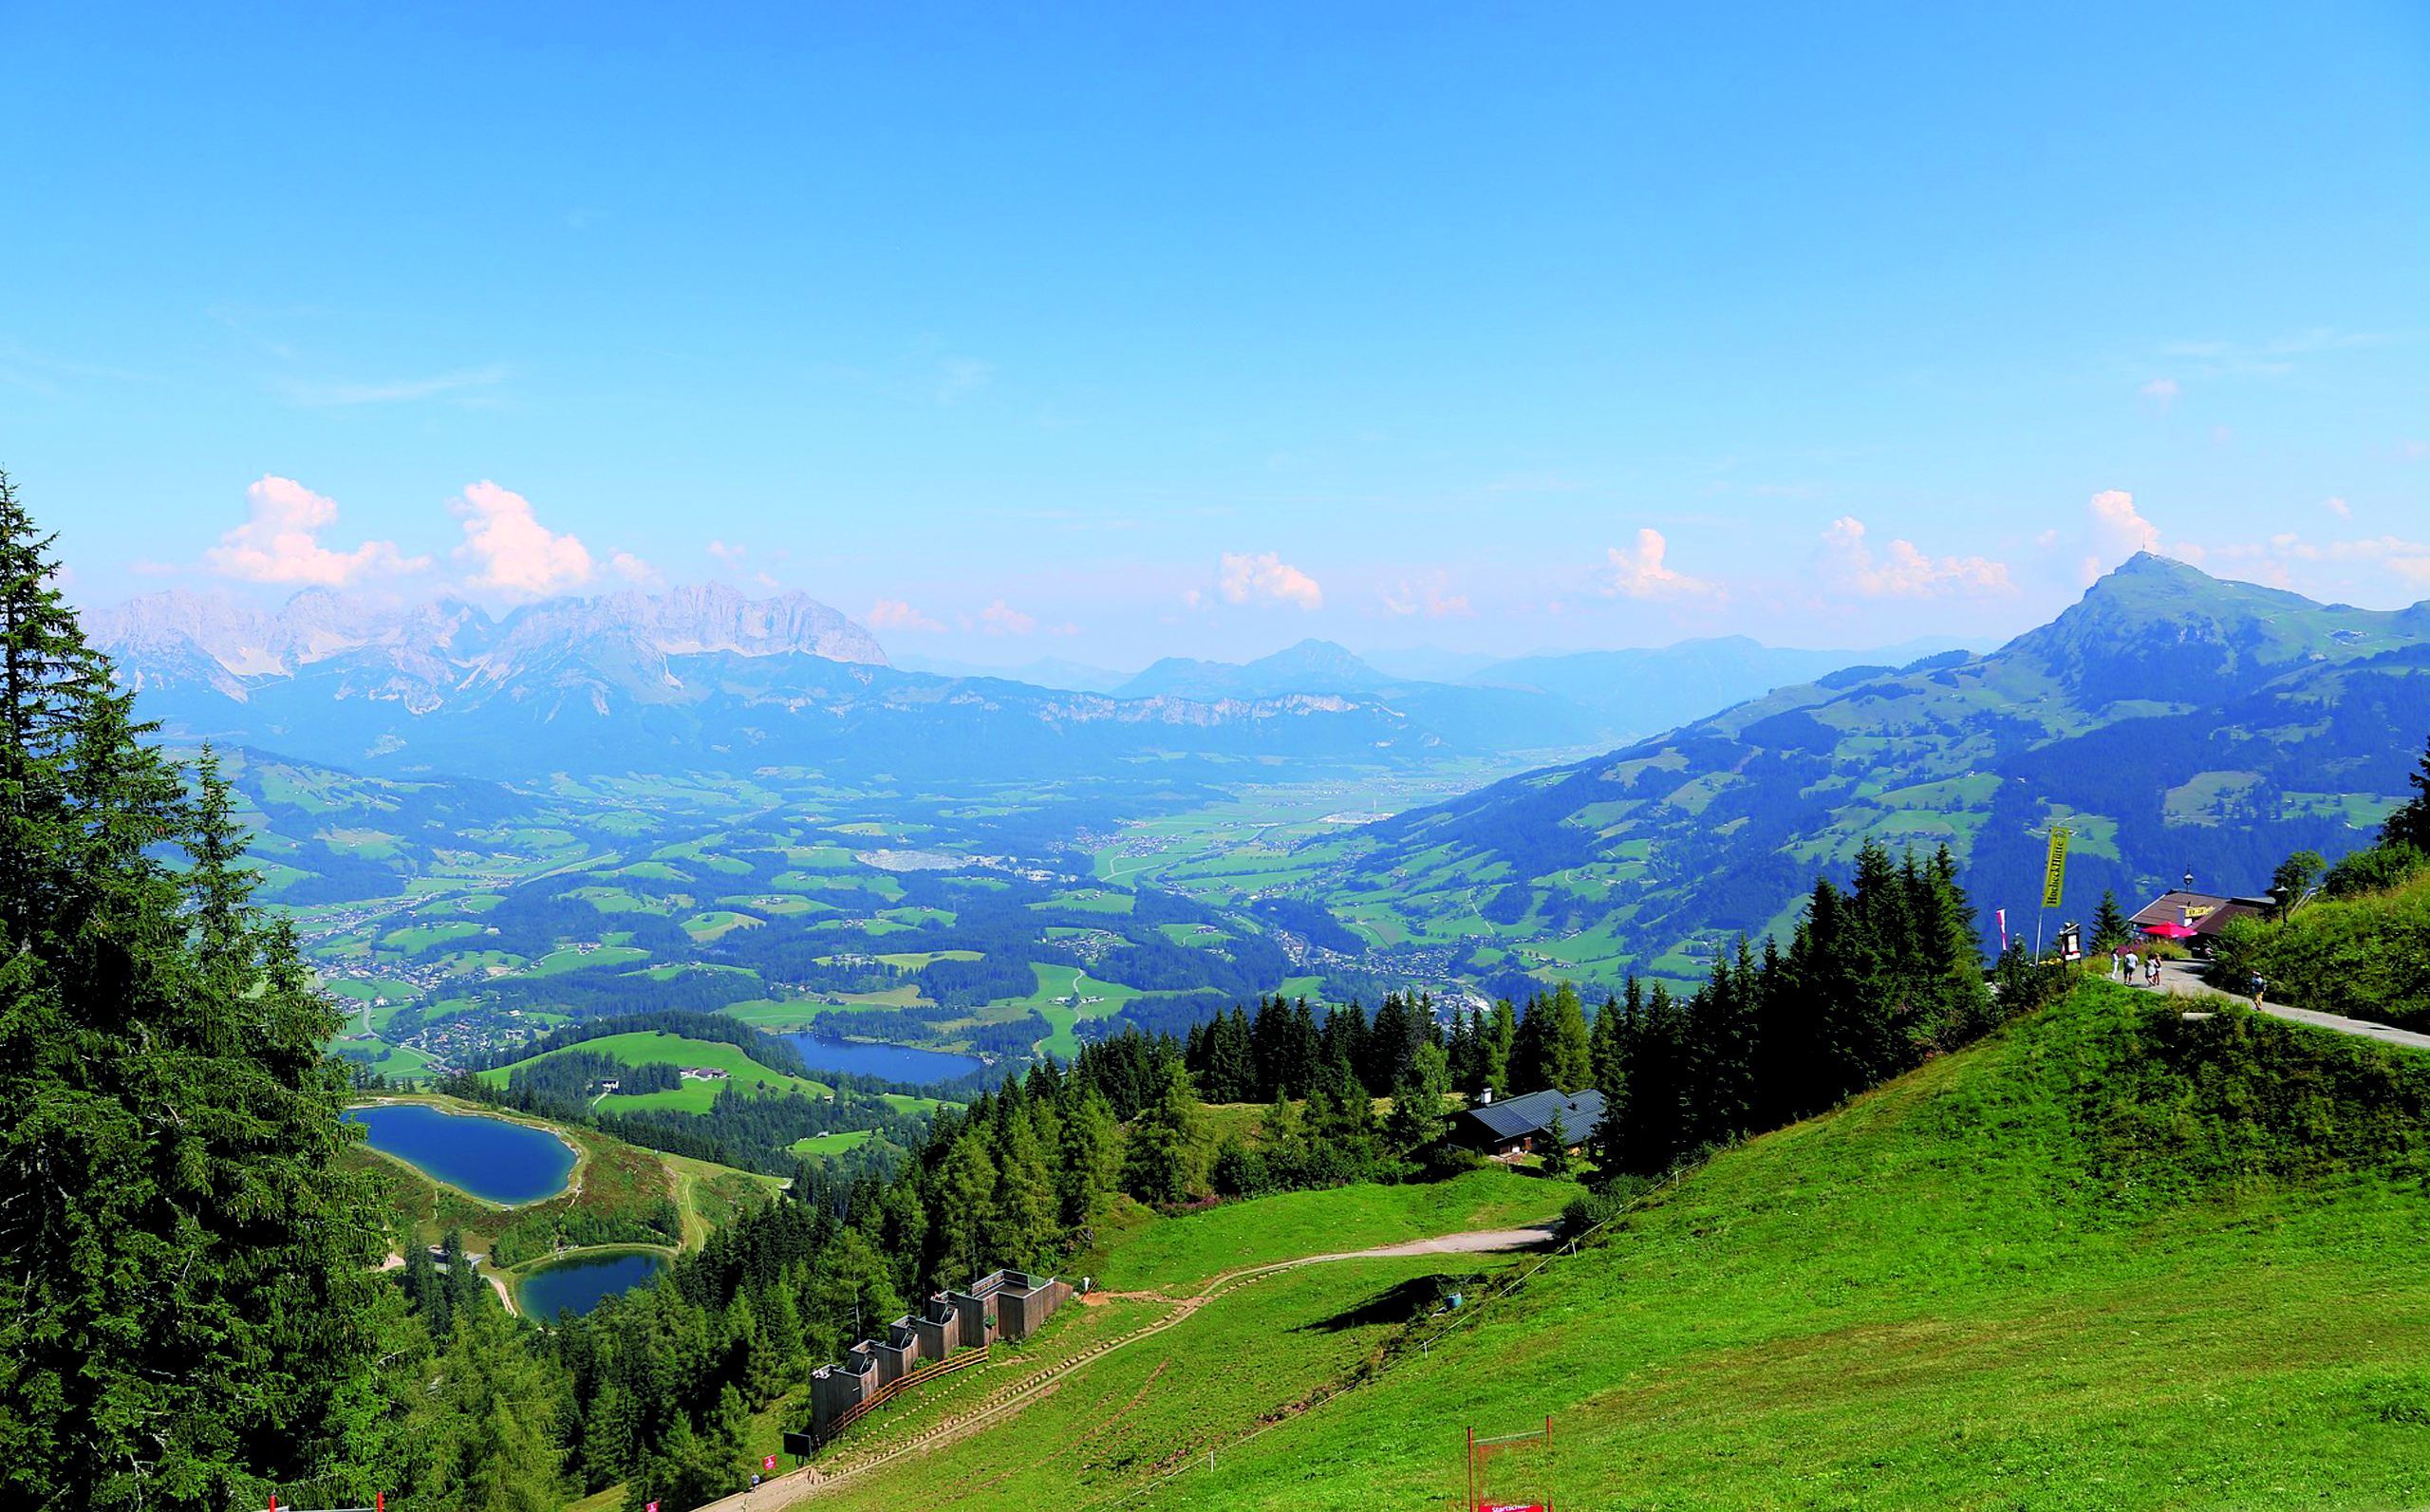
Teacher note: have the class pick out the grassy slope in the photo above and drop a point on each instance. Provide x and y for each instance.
(2105, 1260)
(643, 1047)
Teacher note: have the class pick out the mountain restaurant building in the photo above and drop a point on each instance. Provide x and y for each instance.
(2205, 914)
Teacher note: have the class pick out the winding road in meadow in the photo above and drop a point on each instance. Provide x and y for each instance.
(2178, 980)
(800, 1486)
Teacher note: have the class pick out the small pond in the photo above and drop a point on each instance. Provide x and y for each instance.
(585, 1281)
(894, 1062)
(494, 1160)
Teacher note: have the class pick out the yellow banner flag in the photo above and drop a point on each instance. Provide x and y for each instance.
(2056, 871)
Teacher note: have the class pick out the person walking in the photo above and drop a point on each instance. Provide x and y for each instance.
(2130, 969)
(2152, 971)
(2257, 984)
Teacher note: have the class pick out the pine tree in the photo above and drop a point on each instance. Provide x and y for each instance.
(1501, 1039)
(1558, 1160)
(2109, 923)
(187, 1313)
(2408, 824)
(1568, 1062)
(1417, 1121)
(1169, 1152)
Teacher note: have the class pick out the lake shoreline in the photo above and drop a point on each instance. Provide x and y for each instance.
(460, 1108)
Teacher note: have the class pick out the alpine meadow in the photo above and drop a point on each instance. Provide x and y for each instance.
(1142, 759)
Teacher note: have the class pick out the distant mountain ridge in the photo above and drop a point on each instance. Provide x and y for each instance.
(2172, 720)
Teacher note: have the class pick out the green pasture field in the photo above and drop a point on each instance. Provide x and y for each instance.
(481, 962)
(1158, 1403)
(1057, 981)
(831, 1144)
(2038, 1274)
(914, 960)
(570, 959)
(781, 1015)
(1094, 901)
(618, 900)
(718, 923)
(647, 1047)
(650, 872)
(414, 938)
(775, 905)
(1179, 1253)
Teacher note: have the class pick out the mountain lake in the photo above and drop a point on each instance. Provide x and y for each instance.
(893, 1062)
(585, 1281)
(496, 1160)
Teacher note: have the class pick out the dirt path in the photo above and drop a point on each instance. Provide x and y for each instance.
(505, 1292)
(800, 1486)
(2178, 980)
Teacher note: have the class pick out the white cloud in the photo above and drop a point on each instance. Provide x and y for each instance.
(2120, 530)
(1900, 570)
(1002, 619)
(1430, 596)
(2162, 391)
(2337, 506)
(507, 548)
(894, 614)
(1267, 579)
(730, 556)
(280, 542)
(632, 569)
(1639, 572)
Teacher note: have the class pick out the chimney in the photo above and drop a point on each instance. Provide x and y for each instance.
(1485, 1097)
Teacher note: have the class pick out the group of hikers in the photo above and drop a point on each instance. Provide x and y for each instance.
(2125, 960)
(2125, 963)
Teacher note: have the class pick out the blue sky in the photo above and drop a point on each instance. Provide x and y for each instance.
(1108, 332)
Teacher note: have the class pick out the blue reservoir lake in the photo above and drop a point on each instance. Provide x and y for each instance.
(893, 1062)
(585, 1281)
(494, 1160)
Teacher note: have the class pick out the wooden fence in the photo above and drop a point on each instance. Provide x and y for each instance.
(895, 1387)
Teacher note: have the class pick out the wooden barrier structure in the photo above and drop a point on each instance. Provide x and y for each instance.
(895, 1387)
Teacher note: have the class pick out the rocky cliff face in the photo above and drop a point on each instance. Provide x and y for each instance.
(422, 652)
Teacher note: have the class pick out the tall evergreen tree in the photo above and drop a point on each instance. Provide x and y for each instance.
(188, 1315)
(2408, 824)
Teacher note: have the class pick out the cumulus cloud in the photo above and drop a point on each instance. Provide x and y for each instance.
(1639, 572)
(1900, 570)
(2118, 531)
(632, 569)
(280, 542)
(894, 614)
(2337, 506)
(507, 548)
(1430, 596)
(1267, 579)
(1002, 619)
(2161, 391)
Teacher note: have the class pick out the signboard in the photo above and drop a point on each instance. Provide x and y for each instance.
(768, 1464)
(797, 1444)
(2056, 871)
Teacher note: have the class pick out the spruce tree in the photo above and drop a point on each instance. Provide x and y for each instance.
(2110, 925)
(187, 1313)
(2409, 823)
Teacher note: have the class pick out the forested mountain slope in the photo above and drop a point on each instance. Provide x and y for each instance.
(2172, 720)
